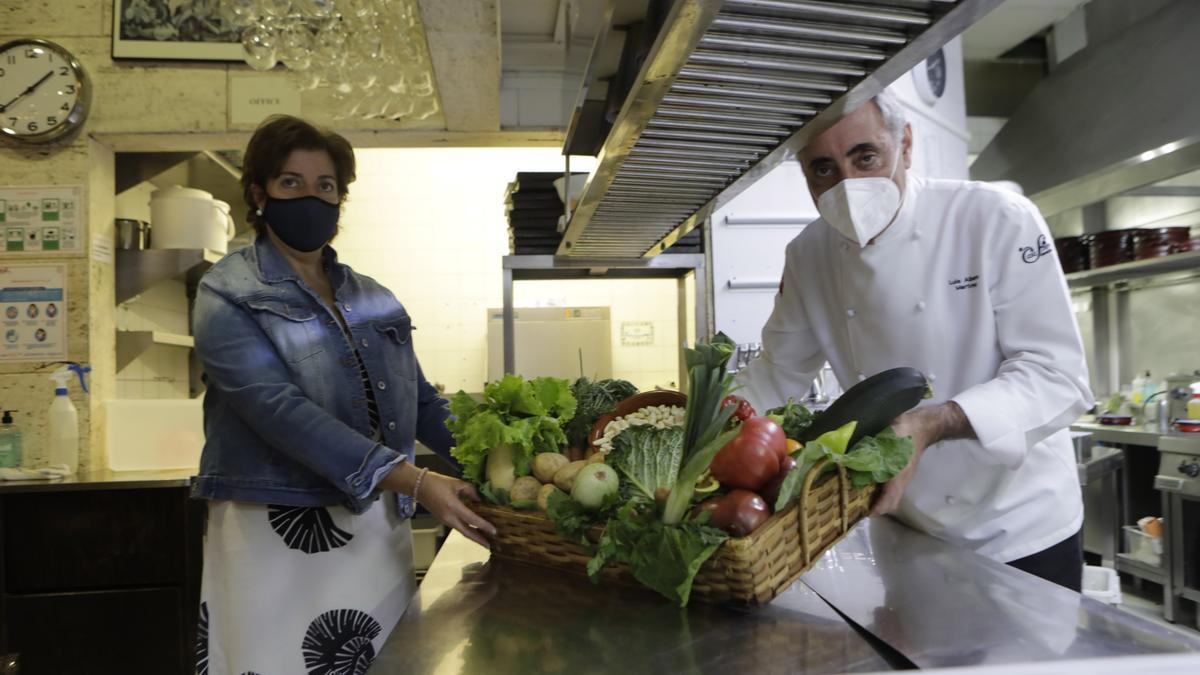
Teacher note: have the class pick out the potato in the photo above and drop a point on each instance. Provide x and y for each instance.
(524, 489)
(565, 477)
(543, 495)
(547, 464)
(597, 457)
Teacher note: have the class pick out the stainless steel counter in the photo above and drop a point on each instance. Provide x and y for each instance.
(102, 480)
(942, 606)
(1131, 435)
(472, 616)
(936, 605)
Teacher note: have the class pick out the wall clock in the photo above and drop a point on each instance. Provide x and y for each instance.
(44, 91)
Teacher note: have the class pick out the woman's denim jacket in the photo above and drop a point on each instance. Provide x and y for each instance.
(285, 414)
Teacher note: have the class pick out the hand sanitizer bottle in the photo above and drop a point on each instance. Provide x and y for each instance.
(10, 442)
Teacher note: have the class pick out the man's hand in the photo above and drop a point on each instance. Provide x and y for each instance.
(925, 426)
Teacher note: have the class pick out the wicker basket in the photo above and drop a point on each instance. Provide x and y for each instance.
(751, 569)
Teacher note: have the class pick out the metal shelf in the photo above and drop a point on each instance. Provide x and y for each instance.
(730, 90)
(1139, 569)
(133, 343)
(1139, 269)
(138, 270)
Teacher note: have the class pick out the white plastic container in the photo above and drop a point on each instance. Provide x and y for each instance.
(1102, 583)
(183, 217)
(1142, 546)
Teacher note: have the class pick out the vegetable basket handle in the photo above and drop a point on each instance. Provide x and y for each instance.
(807, 546)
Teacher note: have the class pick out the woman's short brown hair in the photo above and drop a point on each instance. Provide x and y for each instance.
(272, 144)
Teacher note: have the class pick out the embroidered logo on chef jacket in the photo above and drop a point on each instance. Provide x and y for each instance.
(1032, 254)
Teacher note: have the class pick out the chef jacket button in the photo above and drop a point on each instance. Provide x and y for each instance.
(382, 385)
(861, 377)
(921, 306)
(932, 377)
(391, 426)
(916, 234)
(850, 313)
(950, 499)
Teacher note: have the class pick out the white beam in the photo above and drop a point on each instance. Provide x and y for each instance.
(464, 46)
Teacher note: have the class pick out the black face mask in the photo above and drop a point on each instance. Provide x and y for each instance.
(304, 223)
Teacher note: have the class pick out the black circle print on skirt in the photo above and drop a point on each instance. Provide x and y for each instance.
(202, 641)
(307, 528)
(339, 643)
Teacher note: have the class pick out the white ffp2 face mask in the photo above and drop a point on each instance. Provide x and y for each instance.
(861, 208)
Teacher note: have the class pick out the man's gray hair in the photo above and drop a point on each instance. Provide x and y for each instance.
(893, 113)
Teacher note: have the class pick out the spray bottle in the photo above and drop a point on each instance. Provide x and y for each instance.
(63, 420)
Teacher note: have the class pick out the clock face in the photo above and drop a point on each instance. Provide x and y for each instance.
(43, 91)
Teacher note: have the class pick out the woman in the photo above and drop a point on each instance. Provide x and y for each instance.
(314, 400)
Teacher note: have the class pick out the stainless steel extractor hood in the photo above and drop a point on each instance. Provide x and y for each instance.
(732, 88)
(1118, 115)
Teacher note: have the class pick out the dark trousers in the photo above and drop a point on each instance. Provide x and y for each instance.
(1062, 563)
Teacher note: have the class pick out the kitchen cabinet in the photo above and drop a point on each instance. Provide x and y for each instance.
(100, 576)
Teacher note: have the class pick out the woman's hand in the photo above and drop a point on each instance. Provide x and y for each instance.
(443, 497)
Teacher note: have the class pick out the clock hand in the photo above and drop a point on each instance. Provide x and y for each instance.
(29, 90)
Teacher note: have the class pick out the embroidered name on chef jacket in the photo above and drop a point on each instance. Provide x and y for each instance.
(1032, 254)
(965, 282)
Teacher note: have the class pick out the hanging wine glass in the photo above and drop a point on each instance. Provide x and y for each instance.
(258, 48)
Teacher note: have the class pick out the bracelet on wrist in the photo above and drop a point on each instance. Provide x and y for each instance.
(417, 485)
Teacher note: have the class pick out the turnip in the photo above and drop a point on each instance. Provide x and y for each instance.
(543, 496)
(593, 483)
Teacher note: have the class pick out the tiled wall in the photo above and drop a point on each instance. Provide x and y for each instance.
(430, 225)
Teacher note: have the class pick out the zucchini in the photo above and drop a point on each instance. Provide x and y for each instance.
(873, 403)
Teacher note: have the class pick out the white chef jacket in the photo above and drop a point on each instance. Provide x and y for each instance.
(966, 287)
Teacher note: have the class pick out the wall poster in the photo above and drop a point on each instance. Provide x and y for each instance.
(42, 219)
(33, 313)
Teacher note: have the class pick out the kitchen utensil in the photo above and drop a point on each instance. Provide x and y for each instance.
(1159, 241)
(132, 234)
(189, 218)
(1115, 420)
(1111, 248)
(1179, 392)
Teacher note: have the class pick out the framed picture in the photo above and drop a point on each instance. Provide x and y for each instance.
(174, 29)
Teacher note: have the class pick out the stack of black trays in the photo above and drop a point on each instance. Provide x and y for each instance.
(533, 210)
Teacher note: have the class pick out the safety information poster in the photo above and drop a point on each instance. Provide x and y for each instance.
(41, 219)
(33, 312)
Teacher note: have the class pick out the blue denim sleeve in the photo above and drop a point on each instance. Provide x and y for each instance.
(243, 363)
(432, 413)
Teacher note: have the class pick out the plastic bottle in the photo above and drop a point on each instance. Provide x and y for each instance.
(63, 420)
(10, 442)
(1138, 388)
(1193, 407)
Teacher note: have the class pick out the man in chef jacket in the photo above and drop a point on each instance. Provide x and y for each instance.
(959, 280)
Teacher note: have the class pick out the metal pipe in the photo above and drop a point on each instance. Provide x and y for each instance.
(749, 92)
(736, 139)
(704, 125)
(835, 9)
(674, 161)
(808, 29)
(740, 60)
(754, 150)
(651, 151)
(824, 50)
(737, 103)
(762, 119)
(650, 192)
(761, 77)
(646, 173)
